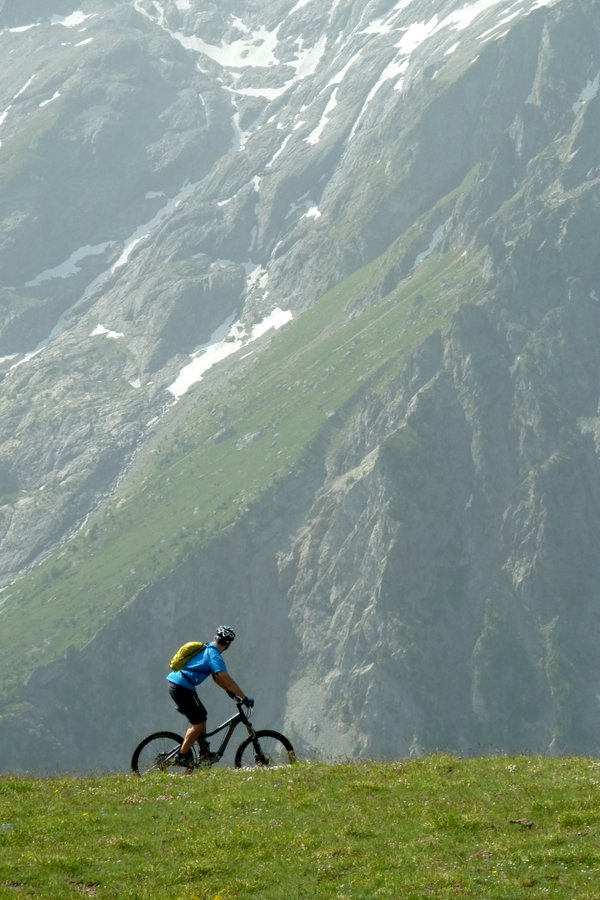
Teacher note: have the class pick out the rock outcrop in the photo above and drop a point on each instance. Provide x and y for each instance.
(418, 568)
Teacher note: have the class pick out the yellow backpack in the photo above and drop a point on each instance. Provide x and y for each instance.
(185, 653)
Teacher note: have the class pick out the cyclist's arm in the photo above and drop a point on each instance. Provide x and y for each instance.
(225, 681)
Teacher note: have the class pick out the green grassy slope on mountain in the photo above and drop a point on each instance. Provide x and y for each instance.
(502, 827)
(219, 450)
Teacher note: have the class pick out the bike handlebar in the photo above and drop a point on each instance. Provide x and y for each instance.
(241, 701)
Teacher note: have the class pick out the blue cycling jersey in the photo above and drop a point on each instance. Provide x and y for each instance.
(208, 662)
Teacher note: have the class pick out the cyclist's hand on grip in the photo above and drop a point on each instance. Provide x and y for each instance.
(248, 701)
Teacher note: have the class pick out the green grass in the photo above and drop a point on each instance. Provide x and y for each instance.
(439, 827)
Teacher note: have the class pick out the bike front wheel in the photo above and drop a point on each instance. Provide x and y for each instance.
(265, 749)
(155, 753)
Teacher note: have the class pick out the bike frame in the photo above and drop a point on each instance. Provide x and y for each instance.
(167, 757)
(231, 724)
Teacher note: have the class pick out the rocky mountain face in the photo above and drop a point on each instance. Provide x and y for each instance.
(419, 569)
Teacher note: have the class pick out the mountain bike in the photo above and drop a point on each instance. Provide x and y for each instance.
(266, 748)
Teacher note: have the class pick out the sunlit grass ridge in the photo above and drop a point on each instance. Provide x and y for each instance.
(499, 827)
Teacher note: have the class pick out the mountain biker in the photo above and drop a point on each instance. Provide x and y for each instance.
(182, 689)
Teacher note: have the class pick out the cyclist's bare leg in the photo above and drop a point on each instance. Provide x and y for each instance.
(192, 734)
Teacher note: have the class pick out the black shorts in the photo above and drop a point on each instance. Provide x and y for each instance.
(188, 704)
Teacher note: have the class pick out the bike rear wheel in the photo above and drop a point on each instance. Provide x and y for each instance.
(265, 749)
(155, 753)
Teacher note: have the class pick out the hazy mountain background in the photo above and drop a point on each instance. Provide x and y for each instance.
(299, 326)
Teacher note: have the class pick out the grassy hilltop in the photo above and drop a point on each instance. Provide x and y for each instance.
(501, 827)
